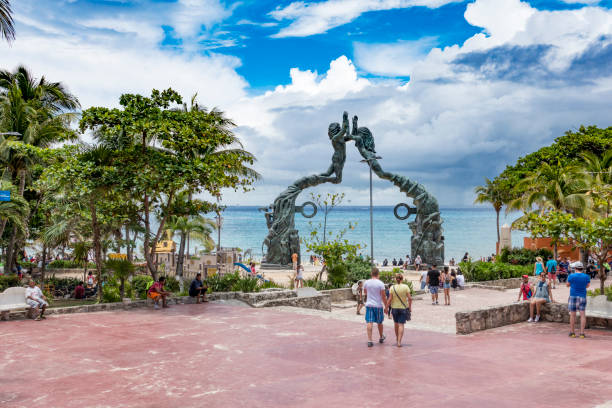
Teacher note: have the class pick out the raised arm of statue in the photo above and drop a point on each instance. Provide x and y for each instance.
(341, 136)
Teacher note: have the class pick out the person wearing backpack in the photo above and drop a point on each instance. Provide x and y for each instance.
(400, 304)
(525, 290)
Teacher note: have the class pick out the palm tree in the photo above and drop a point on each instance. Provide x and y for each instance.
(38, 112)
(599, 173)
(490, 193)
(198, 228)
(7, 27)
(122, 270)
(14, 211)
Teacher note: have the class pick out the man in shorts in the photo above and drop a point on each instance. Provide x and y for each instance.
(551, 268)
(578, 283)
(374, 290)
(36, 300)
(433, 280)
(157, 293)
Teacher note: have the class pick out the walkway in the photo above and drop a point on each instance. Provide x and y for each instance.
(218, 355)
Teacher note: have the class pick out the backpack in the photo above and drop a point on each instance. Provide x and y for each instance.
(529, 294)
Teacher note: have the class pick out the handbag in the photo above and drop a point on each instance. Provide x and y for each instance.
(408, 312)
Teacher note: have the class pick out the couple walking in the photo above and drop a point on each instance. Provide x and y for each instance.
(377, 304)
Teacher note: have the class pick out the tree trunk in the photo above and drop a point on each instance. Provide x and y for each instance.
(122, 288)
(181, 260)
(149, 246)
(43, 266)
(97, 246)
(497, 219)
(556, 250)
(128, 245)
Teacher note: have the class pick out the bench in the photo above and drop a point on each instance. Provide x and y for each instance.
(12, 299)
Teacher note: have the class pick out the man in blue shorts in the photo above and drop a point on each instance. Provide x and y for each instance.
(433, 280)
(578, 283)
(374, 289)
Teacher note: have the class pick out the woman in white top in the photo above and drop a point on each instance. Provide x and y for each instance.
(417, 262)
(299, 277)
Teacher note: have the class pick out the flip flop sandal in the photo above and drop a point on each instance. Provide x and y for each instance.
(382, 339)
(370, 344)
(572, 334)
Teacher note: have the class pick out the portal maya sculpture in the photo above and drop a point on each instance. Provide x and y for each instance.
(283, 239)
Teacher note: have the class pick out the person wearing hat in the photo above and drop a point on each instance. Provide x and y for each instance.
(525, 290)
(578, 283)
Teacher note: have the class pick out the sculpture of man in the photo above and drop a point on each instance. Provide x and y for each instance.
(338, 136)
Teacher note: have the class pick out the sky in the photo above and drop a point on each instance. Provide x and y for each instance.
(453, 91)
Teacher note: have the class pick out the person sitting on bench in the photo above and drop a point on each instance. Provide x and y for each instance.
(197, 288)
(157, 292)
(36, 300)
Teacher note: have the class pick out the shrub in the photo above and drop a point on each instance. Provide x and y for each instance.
(8, 281)
(247, 284)
(110, 294)
(222, 283)
(597, 292)
(172, 284)
(270, 284)
(318, 285)
(358, 269)
(63, 286)
(387, 277)
(523, 256)
(139, 284)
(337, 275)
(486, 271)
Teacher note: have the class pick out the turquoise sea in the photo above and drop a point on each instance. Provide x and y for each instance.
(465, 229)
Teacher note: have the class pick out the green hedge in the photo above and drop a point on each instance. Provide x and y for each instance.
(8, 281)
(485, 271)
(61, 264)
(523, 256)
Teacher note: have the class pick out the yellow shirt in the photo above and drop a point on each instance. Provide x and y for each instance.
(399, 292)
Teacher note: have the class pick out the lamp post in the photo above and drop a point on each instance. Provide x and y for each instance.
(369, 161)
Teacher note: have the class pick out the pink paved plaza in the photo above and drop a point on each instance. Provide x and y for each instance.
(217, 355)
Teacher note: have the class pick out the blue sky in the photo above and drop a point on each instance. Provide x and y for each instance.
(452, 90)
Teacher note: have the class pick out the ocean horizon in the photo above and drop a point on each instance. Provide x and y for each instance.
(465, 230)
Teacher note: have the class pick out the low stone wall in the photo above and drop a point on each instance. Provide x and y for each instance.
(258, 297)
(339, 295)
(503, 315)
(499, 284)
(318, 302)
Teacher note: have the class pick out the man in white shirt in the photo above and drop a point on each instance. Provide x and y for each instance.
(36, 300)
(374, 289)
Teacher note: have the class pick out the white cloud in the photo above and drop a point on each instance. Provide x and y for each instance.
(191, 15)
(309, 18)
(374, 58)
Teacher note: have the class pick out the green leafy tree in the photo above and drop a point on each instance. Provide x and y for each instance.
(591, 236)
(163, 150)
(598, 170)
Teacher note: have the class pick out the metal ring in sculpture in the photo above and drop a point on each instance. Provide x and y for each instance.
(410, 210)
(301, 209)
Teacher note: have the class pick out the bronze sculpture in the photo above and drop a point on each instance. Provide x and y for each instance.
(283, 239)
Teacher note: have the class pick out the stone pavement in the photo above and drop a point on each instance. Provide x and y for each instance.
(219, 355)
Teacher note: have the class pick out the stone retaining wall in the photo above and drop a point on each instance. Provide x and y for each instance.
(339, 295)
(318, 302)
(498, 284)
(503, 315)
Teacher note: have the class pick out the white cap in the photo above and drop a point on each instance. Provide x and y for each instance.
(578, 265)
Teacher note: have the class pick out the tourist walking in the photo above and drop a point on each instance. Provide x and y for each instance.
(400, 303)
(359, 296)
(563, 271)
(433, 280)
(551, 269)
(466, 257)
(543, 294)
(446, 281)
(387, 294)
(299, 277)
(578, 283)
(376, 300)
(417, 262)
(538, 267)
(525, 290)
(423, 279)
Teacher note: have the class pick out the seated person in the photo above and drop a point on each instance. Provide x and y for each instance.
(36, 300)
(394, 262)
(157, 292)
(400, 262)
(385, 262)
(79, 291)
(460, 279)
(454, 280)
(525, 289)
(543, 294)
(197, 288)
